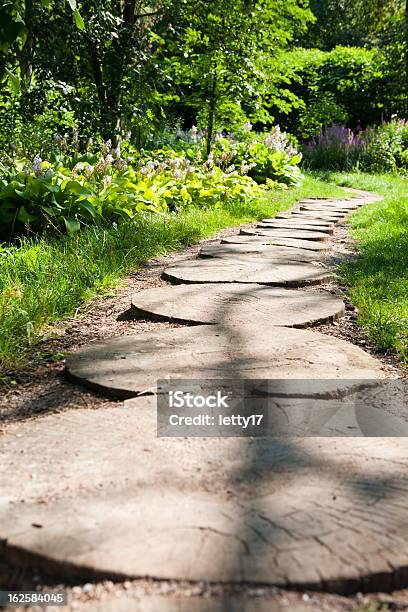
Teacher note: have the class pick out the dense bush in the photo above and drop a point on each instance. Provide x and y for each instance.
(380, 149)
(265, 157)
(269, 156)
(345, 85)
(73, 189)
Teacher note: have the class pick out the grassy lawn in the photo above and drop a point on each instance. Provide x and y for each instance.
(47, 279)
(378, 278)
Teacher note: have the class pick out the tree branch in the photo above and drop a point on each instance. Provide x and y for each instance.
(147, 14)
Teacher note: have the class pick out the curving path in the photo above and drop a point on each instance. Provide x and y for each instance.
(99, 494)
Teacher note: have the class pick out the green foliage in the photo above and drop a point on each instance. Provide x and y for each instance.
(75, 189)
(345, 85)
(350, 22)
(18, 22)
(71, 71)
(322, 110)
(274, 165)
(268, 158)
(123, 70)
(120, 67)
(380, 149)
(38, 196)
(374, 24)
(387, 148)
(226, 56)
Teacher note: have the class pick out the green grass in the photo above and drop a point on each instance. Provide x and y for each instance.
(46, 279)
(378, 278)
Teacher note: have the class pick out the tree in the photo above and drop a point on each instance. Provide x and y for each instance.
(226, 53)
(18, 22)
(100, 66)
(350, 22)
(347, 85)
(374, 24)
(117, 54)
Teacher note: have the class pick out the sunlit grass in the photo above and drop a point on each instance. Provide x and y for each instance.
(378, 278)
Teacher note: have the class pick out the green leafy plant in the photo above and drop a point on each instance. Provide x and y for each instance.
(269, 157)
(75, 189)
(344, 85)
(37, 196)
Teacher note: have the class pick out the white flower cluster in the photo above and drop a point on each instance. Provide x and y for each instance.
(176, 167)
(276, 140)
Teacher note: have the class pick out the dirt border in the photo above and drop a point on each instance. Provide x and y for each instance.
(87, 595)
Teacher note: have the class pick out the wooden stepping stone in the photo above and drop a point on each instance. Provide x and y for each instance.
(308, 245)
(290, 233)
(342, 202)
(328, 217)
(324, 218)
(297, 225)
(129, 365)
(291, 220)
(320, 211)
(328, 207)
(225, 251)
(125, 601)
(360, 194)
(277, 273)
(237, 304)
(323, 199)
(348, 204)
(320, 514)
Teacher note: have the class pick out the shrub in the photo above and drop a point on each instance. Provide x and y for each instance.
(387, 148)
(336, 147)
(37, 196)
(345, 85)
(75, 189)
(380, 149)
(269, 157)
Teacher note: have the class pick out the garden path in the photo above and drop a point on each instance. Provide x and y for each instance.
(101, 495)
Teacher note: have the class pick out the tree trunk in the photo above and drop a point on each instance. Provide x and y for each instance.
(129, 11)
(100, 88)
(115, 118)
(113, 96)
(211, 111)
(138, 137)
(26, 53)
